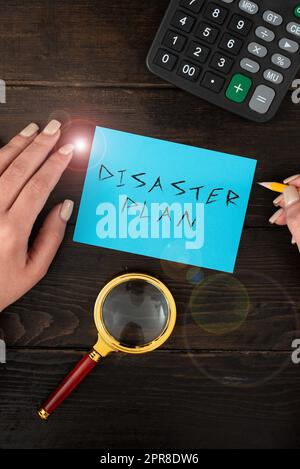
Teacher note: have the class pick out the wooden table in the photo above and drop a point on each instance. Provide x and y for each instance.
(225, 379)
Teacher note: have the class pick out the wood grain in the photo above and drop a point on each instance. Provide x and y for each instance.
(225, 379)
(256, 309)
(99, 42)
(192, 401)
(82, 43)
(167, 114)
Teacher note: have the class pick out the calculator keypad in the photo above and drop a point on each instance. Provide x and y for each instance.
(274, 77)
(182, 21)
(215, 13)
(188, 71)
(262, 99)
(194, 6)
(207, 33)
(249, 7)
(231, 44)
(240, 25)
(288, 45)
(272, 18)
(198, 52)
(222, 63)
(238, 88)
(264, 34)
(241, 54)
(281, 61)
(250, 65)
(174, 41)
(257, 49)
(165, 60)
(213, 82)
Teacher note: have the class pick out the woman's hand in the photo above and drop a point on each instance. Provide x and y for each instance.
(289, 211)
(27, 177)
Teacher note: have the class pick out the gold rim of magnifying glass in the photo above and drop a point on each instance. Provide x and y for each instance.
(114, 343)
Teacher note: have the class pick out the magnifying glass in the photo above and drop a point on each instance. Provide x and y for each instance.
(134, 313)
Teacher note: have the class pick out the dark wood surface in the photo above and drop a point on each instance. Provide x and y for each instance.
(225, 379)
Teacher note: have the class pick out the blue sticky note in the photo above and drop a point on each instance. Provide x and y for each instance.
(165, 200)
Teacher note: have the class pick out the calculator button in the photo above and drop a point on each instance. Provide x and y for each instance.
(272, 18)
(192, 5)
(262, 99)
(257, 49)
(248, 7)
(174, 41)
(165, 60)
(250, 65)
(182, 21)
(265, 34)
(281, 61)
(215, 13)
(293, 28)
(238, 88)
(274, 77)
(240, 25)
(188, 71)
(222, 63)
(297, 11)
(207, 33)
(213, 82)
(289, 45)
(231, 44)
(198, 52)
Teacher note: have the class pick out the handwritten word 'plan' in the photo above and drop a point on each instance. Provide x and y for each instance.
(166, 200)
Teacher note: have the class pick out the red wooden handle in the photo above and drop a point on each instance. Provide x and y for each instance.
(81, 370)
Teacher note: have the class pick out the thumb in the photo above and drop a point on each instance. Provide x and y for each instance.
(292, 210)
(49, 239)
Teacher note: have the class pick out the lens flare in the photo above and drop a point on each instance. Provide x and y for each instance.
(232, 306)
(80, 132)
(80, 145)
(220, 304)
(175, 270)
(195, 275)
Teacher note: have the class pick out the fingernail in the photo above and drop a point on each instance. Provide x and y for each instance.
(52, 127)
(67, 149)
(30, 130)
(66, 210)
(278, 200)
(291, 196)
(295, 242)
(276, 215)
(291, 178)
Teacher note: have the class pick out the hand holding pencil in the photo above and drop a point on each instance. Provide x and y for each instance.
(288, 203)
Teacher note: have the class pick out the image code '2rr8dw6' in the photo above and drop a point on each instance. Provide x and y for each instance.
(240, 55)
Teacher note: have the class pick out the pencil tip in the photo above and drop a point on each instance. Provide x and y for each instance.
(265, 184)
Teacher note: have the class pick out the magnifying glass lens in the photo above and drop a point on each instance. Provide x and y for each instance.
(135, 313)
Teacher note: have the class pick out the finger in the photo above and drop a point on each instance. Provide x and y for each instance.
(292, 211)
(278, 218)
(36, 192)
(293, 180)
(48, 240)
(279, 201)
(10, 151)
(26, 164)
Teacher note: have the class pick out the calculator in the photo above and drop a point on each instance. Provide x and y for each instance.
(240, 55)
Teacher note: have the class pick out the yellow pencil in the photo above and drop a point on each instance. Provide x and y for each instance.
(275, 186)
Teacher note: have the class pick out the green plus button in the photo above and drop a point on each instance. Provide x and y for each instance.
(297, 11)
(238, 88)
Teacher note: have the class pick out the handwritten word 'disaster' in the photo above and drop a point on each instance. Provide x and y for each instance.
(204, 194)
